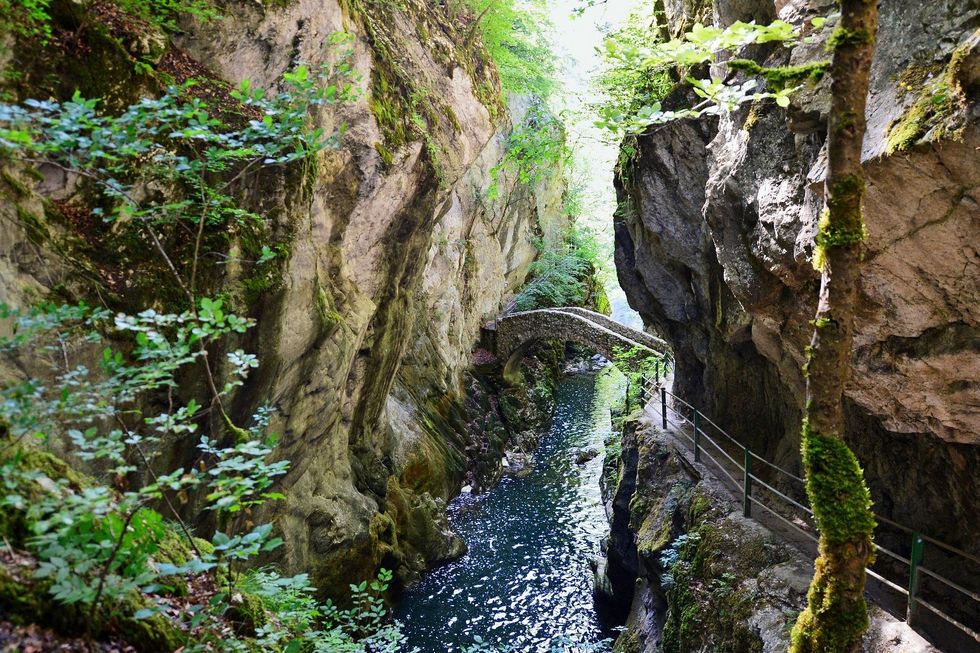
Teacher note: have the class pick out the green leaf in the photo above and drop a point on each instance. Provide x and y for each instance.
(267, 255)
(273, 544)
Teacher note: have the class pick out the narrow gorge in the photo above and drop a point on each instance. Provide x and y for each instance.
(486, 325)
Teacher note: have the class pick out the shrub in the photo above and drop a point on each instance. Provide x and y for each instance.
(627, 85)
(99, 542)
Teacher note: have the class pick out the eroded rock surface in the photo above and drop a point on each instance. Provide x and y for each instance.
(714, 249)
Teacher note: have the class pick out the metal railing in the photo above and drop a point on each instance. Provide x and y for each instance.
(798, 516)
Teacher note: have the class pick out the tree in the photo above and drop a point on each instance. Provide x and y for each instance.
(836, 614)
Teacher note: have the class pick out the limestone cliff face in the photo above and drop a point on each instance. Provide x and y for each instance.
(396, 254)
(714, 249)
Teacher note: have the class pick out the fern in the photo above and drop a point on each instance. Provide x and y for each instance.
(559, 276)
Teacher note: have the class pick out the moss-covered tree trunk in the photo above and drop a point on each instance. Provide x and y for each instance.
(836, 614)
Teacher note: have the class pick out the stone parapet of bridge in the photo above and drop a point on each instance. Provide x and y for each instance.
(634, 335)
(510, 336)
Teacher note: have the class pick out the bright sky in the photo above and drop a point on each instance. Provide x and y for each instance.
(576, 40)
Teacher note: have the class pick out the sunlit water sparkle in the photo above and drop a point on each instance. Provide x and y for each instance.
(526, 580)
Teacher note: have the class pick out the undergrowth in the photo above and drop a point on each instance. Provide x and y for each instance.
(560, 275)
(33, 18)
(108, 552)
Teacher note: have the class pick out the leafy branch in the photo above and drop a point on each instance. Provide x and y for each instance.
(698, 47)
(164, 169)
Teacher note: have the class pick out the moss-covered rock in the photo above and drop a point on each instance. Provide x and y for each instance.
(101, 61)
(248, 611)
(28, 602)
(405, 106)
(699, 564)
(939, 108)
(49, 469)
(339, 321)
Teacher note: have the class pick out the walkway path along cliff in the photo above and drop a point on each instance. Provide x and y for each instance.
(777, 493)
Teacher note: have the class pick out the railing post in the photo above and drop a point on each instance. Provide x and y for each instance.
(697, 436)
(747, 485)
(663, 406)
(915, 559)
(656, 371)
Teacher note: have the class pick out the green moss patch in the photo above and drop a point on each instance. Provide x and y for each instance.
(841, 37)
(939, 106)
(843, 613)
(836, 614)
(402, 102)
(783, 77)
(708, 602)
(14, 526)
(27, 602)
(94, 60)
(835, 484)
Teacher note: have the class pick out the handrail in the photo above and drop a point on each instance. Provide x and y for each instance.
(717, 446)
(708, 420)
(710, 457)
(895, 524)
(952, 549)
(966, 629)
(914, 563)
(962, 590)
(890, 522)
(781, 495)
(882, 579)
(809, 536)
(896, 556)
(776, 467)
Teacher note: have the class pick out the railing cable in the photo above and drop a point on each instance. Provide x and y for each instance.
(914, 562)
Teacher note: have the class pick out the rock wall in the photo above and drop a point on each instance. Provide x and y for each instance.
(715, 243)
(394, 255)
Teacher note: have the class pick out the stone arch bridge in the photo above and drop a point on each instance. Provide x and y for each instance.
(511, 335)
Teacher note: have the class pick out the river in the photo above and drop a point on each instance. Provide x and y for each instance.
(526, 580)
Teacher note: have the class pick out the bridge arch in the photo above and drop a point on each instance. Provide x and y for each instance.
(513, 334)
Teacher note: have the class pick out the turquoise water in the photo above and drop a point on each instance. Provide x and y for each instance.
(526, 581)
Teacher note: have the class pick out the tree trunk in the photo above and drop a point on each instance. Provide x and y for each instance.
(836, 614)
